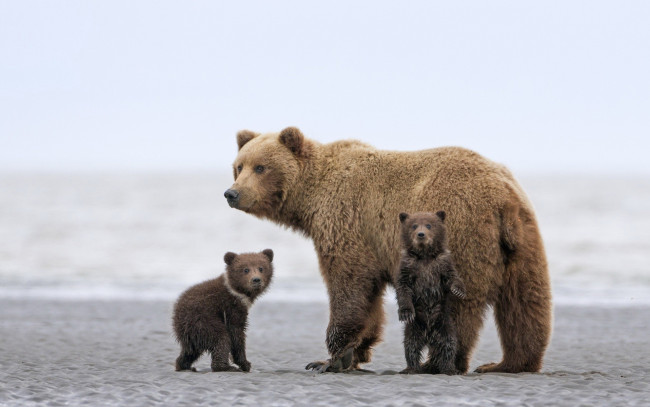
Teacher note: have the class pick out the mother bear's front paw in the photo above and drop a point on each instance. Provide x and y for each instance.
(322, 366)
(334, 365)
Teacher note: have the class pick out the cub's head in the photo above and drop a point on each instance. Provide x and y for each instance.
(424, 232)
(265, 169)
(249, 273)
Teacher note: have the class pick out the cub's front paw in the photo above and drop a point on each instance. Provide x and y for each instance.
(246, 366)
(410, 370)
(458, 289)
(406, 314)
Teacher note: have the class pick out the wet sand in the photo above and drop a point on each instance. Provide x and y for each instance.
(122, 353)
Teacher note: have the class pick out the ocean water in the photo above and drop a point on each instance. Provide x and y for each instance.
(125, 236)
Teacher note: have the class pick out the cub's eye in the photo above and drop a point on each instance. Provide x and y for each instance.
(259, 169)
(414, 227)
(261, 269)
(239, 168)
(246, 271)
(428, 226)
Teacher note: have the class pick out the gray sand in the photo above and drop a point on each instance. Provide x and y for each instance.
(122, 353)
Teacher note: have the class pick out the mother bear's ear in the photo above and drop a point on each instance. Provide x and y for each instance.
(294, 140)
(244, 136)
(403, 216)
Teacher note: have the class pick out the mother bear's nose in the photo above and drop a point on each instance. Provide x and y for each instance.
(421, 235)
(231, 194)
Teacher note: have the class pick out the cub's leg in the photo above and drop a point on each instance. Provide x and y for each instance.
(221, 355)
(186, 359)
(442, 346)
(414, 341)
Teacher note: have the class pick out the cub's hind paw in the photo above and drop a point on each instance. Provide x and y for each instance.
(226, 369)
(410, 370)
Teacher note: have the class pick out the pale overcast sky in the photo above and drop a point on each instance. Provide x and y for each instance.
(547, 86)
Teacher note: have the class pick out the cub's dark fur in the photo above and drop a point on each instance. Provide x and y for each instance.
(212, 316)
(426, 282)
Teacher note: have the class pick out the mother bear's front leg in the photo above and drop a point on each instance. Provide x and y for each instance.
(356, 319)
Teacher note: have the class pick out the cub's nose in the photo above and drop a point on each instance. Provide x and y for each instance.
(421, 235)
(256, 280)
(232, 196)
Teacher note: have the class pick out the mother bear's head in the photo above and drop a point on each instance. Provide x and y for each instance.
(265, 169)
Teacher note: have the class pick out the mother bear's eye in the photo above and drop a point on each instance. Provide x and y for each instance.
(428, 226)
(414, 227)
(239, 168)
(259, 169)
(246, 271)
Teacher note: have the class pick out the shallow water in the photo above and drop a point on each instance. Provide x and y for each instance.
(110, 236)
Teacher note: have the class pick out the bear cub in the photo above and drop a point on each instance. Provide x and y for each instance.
(212, 316)
(426, 282)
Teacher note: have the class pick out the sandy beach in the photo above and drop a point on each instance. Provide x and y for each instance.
(58, 353)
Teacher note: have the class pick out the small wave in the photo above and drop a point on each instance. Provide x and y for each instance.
(295, 292)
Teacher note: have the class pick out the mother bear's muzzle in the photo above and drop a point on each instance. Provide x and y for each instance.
(232, 196)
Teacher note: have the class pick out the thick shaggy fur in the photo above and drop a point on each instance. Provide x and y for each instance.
(425, 285)
(212, 316)
(345, 196)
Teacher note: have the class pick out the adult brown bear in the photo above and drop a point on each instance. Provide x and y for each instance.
(346, 196)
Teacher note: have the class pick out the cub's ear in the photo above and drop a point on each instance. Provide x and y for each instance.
(244, 136)
(442, 215)
(294, 140)
(229, 258)
(268, 253)
(403, 216)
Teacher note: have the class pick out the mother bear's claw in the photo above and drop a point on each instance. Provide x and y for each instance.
(319, 366)
(338, 365)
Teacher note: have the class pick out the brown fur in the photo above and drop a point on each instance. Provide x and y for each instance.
(212, 316)
(345, 196)
(425, 286)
